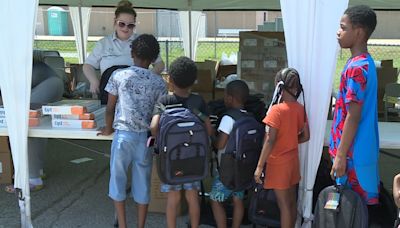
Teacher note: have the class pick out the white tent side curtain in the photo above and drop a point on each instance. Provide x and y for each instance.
(16, 45)
(213, 4)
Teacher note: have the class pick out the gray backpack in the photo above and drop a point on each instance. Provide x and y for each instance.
(351, 212)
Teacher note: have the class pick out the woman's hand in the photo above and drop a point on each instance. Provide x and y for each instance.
(105, 131)
(95, 87)
(257, 175)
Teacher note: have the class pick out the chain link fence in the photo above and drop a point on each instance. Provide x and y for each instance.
(210, 49)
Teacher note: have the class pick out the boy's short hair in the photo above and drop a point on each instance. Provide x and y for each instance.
(145, 47)
(183, 72)
(238, 89)
(362, 16)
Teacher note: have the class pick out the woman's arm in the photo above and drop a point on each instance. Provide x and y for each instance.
(158, 67)
(90, 74)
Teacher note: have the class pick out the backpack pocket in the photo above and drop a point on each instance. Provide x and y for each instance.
(227, 170)
(186, 161)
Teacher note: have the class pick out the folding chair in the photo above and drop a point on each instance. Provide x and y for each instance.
(391, 98)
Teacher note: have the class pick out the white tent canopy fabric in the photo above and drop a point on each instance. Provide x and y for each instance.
(310, 27)
(80, 17)
(16, 45)
(213, 4)
(310, 34)
(190, 22)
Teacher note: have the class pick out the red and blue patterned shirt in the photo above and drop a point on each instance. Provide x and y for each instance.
(358, 84)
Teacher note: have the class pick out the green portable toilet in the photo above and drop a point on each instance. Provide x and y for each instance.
(57, 21)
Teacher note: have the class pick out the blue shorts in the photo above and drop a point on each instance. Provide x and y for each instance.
(220, 193)
(186, 186)
(129, 148)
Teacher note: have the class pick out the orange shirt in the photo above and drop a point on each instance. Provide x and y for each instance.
(288, 119)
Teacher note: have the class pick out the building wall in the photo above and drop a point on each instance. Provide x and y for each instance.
(387, 27)
(229, 20)
(102, 19)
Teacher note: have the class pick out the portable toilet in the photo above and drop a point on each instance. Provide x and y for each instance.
(57, 21)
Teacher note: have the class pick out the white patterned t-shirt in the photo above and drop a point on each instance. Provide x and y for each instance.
(138, 90)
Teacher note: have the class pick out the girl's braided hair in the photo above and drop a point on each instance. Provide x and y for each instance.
(287, 79)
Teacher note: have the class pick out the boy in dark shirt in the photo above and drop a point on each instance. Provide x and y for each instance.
(183, 74)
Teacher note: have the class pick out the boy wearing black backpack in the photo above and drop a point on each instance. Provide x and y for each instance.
(235, 97)
(183, 74)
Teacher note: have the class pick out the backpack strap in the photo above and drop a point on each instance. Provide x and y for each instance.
(177, 104)
(236, 113)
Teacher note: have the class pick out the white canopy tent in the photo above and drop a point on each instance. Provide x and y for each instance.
(310, 34)
(201, 5)
(15, 82)
(80, 17)
(310, 27)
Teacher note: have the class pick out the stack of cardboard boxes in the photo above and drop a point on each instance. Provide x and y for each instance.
(6, 168)
(83, 114)
(35, 116)
(204, 85)
(261, 56)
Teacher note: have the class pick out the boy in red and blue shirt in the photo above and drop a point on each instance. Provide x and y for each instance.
(354, 140)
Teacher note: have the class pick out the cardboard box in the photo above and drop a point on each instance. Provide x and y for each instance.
(204, 82)
(206, 72)
(254, 41)
(32, 122)
(33, 113)
(219, 93)
(206, 96)
(158, 200)
(71, 107)
(386, 74)
(224, 71)
(5, 168)
(4, 145)
(261, 56)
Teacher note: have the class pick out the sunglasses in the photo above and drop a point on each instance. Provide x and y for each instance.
(122, 24)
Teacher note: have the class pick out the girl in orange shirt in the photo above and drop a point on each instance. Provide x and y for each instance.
(286, 127)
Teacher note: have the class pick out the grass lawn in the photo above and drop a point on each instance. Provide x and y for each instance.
(206, 50)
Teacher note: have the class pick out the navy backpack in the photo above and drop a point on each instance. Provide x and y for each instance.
(243, 149)
(182, 147)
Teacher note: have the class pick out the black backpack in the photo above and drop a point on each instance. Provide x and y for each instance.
(242, 152)
(263, 208)
(104, 80)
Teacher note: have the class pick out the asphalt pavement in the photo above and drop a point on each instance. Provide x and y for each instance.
(75, 194)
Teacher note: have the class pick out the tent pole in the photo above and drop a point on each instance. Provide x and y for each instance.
(190, 30)
(83, 55)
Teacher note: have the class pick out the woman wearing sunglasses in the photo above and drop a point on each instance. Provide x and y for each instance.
(114, 51)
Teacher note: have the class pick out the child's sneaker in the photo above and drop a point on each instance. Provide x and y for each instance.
(33, 188)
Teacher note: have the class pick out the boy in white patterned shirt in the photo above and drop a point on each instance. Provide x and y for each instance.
(133, 93)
